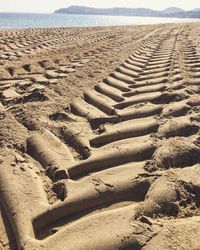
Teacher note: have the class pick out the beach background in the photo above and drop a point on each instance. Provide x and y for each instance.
(99, 131)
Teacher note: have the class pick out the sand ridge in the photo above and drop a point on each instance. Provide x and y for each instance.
(100, 138)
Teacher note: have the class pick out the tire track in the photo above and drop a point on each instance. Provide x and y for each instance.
(128, 131)
(18, 84)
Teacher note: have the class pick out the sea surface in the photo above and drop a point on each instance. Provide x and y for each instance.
(18, 20)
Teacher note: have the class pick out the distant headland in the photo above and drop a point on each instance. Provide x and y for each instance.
(118, 11)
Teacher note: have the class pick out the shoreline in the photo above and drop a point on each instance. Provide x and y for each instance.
(95, 27)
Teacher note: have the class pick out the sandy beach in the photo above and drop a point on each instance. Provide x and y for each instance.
(99, 138)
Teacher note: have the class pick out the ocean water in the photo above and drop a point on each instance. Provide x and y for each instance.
(18, 20)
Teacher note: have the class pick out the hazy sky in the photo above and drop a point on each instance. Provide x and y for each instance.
(46, 6)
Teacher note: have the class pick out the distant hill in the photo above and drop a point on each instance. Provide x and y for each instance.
(172, 10)
(194, 14)
(110, 11)
(197, 9)
(187, 14)
(169, 12)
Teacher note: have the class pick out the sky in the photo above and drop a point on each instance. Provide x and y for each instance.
(48, 6)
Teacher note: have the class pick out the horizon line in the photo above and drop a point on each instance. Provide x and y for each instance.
(53, 12)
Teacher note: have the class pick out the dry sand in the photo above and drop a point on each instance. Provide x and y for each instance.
(99, 137)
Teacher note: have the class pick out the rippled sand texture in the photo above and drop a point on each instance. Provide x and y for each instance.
(99, 137)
